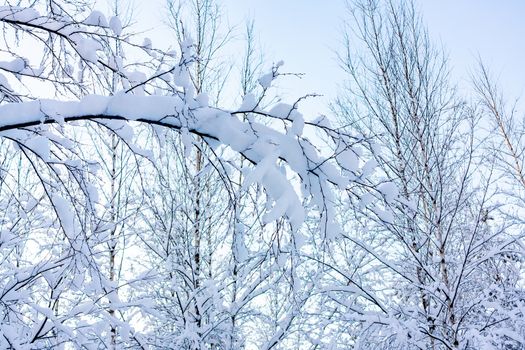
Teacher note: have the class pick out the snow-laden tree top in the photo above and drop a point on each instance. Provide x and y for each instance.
(155, 88)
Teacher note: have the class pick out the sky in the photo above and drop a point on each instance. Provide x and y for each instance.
(306, 34)
(492, 30)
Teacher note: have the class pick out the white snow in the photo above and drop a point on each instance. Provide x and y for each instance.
(116, 25)
(203, 99)
(249, 102)
(348, 160)
(281, 110)
(96, 18)
(146, 43)
(65, 214)
(256, 174)
(87, 48)
(39, 145)
(389, 190)
(16, 66)
(266, 80)
(368, 168)
(21, 14)
(297, 124)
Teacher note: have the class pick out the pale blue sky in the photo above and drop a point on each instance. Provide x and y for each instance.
(494, 30)
(305, 34)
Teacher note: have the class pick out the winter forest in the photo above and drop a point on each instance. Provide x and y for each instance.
(157, 194)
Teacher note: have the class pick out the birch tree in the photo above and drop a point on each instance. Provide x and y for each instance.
(59, 217)
(426, 275)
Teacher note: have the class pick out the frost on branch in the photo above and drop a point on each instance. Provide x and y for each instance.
(83, 80)
(276, 149)
(266, 148)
